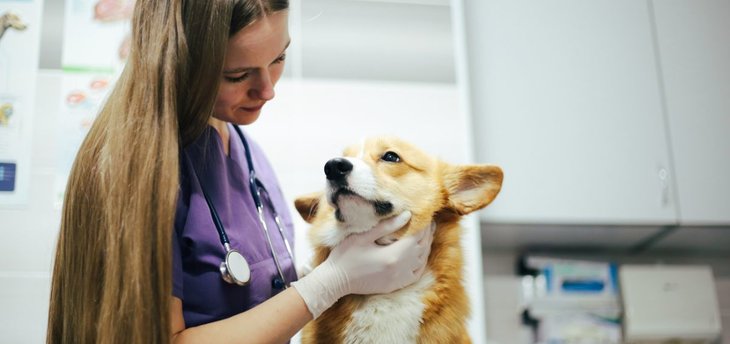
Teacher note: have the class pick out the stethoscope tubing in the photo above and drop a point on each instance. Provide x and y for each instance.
(216, 220)
(255, 185)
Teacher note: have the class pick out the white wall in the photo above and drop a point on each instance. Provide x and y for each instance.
(29, 233)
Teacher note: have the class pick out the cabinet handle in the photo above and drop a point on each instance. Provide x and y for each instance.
(664, 182)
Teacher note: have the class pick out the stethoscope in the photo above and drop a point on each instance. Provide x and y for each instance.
(234, 268)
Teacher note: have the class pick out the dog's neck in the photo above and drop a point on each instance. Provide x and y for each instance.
(4, 25)
(338, 231)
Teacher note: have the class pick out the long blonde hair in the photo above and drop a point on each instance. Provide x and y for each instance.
(112, 277)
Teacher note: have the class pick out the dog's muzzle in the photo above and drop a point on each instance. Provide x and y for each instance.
(337, 170)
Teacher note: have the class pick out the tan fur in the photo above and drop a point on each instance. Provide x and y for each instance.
(433, 191)
(307, 205)
(10, 20)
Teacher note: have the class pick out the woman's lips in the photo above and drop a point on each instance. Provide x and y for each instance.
(252, 109)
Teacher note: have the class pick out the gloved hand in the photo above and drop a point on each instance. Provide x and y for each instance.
(360, 266)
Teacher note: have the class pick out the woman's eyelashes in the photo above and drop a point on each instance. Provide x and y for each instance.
(236, 79)
(245, 75)
(280, 59)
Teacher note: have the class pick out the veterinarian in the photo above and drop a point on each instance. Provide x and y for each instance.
(160, 222)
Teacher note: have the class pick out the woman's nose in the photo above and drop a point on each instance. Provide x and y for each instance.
(264, 87)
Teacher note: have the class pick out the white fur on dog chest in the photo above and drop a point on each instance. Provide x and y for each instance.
(390, 318)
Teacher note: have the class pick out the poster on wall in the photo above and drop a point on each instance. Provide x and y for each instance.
(83, 96)
(95, 48)
(20, 29)
(96, 35)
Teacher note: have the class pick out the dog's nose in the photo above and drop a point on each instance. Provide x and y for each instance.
(337, 168)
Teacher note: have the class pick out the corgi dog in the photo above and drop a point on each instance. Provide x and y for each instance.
(377, 179)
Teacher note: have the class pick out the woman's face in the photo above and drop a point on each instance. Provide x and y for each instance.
(254, 63)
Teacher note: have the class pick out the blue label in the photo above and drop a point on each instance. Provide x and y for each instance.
(594, 286)
(7, 176)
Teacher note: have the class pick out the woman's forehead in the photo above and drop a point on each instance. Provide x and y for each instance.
(268, 34)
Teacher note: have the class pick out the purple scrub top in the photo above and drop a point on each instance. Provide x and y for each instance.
(197, 249)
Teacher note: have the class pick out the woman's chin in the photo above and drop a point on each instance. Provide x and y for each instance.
(243, 117)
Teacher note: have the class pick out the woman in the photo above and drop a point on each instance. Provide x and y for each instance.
(163, 143)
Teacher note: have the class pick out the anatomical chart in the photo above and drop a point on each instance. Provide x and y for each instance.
(20, 28)
(95, 48)
(96, 35)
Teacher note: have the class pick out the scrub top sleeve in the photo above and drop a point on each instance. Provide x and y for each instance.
(177, 271)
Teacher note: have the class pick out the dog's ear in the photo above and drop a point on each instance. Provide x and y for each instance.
(307, 205)
(472, 187)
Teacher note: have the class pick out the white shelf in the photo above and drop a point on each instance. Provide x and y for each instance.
(606, 239)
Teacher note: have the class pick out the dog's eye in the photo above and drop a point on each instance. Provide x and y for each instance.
(390, 157)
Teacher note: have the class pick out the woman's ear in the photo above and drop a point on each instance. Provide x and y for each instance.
(307, 205)
(472, 187)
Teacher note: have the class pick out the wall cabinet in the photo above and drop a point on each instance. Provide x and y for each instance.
(603, 112)
(566, 98)
(380, 40)
(694, 48)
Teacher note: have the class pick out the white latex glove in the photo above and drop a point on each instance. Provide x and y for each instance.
(360, 266)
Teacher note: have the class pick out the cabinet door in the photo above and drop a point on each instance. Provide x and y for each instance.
(694, 50)
(391, 40)
(565, 97)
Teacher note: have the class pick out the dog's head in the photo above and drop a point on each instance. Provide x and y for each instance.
(384, 176)
(12, 21)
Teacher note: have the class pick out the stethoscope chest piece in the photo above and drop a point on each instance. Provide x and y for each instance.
(235, 269)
